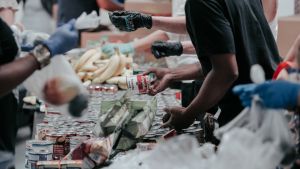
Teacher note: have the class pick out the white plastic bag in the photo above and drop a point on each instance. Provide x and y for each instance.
(258, 138)
(269, 131)
(59, 67)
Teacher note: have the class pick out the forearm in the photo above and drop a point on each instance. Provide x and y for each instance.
(294, 51)
(14, 73)
(270, 9)
(170, 24)
(214, 87)
(145, 43)
(8, 15)
(187, 72)
(188, 47)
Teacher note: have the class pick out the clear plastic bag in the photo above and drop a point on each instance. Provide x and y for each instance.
(58, 68)
(258, 138)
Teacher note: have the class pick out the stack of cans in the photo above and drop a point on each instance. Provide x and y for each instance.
(37, 150)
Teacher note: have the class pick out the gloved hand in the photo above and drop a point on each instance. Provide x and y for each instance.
(64, 39)
(90, 21)
(163, 49)
(30, 39)
(274, 94)
(125, 48)
(130, 21)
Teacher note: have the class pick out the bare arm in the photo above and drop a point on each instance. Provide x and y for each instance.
(216, 84)
(187, 72)
(14, 73)
(8, 15)
(170, 24)
(145, 43)
(188, 47)
(293, 52)
(270, 9)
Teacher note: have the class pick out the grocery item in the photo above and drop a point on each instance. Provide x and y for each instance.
(140, 83)
(93, 67)
(93, 152)
(61, 146)
(64, 164)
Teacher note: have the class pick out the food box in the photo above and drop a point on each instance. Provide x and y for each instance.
(153, 7)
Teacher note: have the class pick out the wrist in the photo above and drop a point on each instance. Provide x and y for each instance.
(190, 112)
(42, 55)
(178, 48)
(148, 22)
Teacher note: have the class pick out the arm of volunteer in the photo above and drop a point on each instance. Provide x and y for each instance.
(188, 47)
(167, 76)
(187, 72)
(294, 51)
(170, 24)
(14, 73)
(145, 43)
(215, 85)
(270, 9)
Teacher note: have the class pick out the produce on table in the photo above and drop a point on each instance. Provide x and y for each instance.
(93, 67)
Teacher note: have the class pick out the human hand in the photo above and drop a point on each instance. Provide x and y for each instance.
(130, 21)
(162, 81)
(124, 48)
(31, 39)
(178, 118)
(163, 49)
(64, 39)
(273, 94)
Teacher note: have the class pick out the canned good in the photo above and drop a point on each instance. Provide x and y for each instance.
(140, 83)
(39, 156)
(37, 146)
(61, 146)
(76, 140)
(32, 164)
(41, 131)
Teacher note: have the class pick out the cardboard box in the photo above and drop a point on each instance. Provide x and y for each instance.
(153, 7)
(116, 37)
(288, 30)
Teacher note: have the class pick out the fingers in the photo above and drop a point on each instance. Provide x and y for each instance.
(169, 117)
(119, 13)
(167, 120)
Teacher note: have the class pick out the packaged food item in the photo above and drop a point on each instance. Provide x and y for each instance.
(61, 146)
(145, 146)
(136, 125)
(38, 145)
(64, 164)
(39, 155)
(93, 152)
(140, 83)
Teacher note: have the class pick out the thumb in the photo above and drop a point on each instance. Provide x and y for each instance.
(70, 25)
(150, 70)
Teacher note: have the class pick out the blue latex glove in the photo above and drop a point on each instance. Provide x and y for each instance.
(125, 48)
(64, 39)
(274, 94)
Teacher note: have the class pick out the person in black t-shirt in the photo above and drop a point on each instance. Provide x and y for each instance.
(14, 72)
(229, 37)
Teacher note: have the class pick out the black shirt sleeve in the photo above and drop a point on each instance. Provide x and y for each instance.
(209, 29)
(8, 45)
